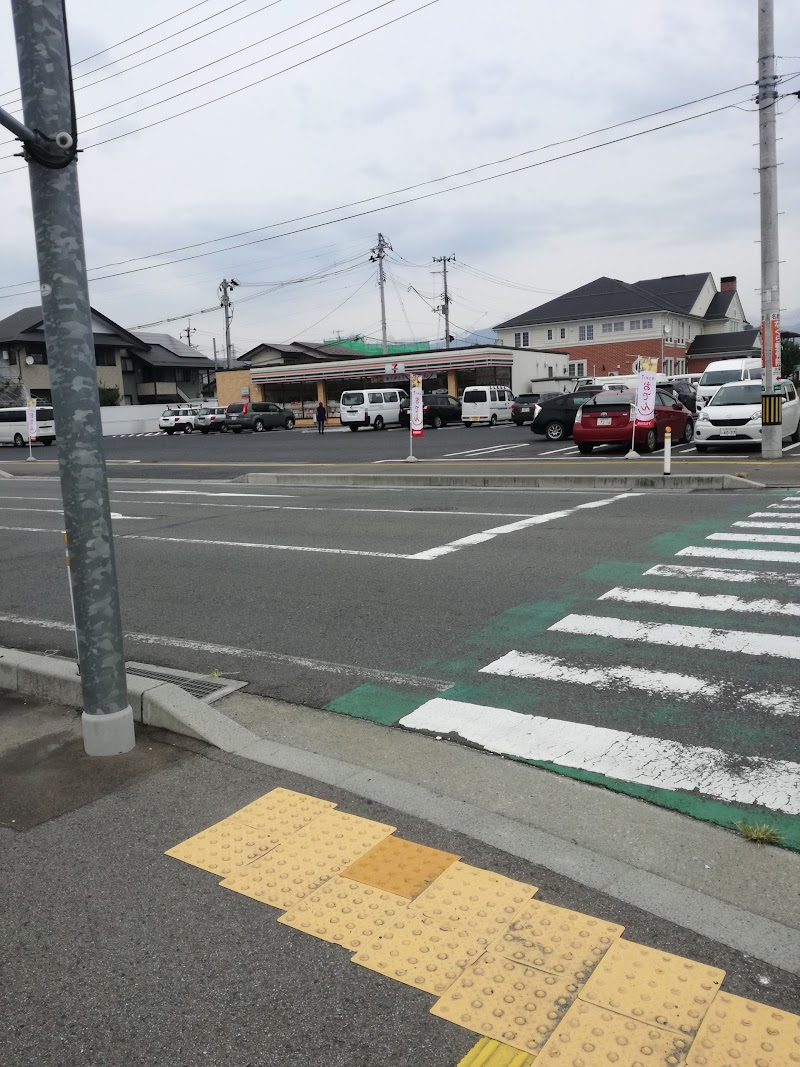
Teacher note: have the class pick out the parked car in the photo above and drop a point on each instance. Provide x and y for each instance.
(377, 407)
(257, 416)
(14, 426)
(524, 407)
(723, 371)
(437, 410)
(733, 416)
(211, 420)
(178, 420)
(555, 418)
(486, 405)
(607, 419)
(683, 391)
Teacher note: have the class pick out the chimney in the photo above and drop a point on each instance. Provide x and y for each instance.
(728, 285)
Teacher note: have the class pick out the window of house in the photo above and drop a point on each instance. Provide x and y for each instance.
(183, 374)
(668, 367)
(563, 332)
(619, 327)
(549, 372)
(525, 338)
(578, 369)
(105, 357)
(549, 335)
(635, 324)
(608, 327)
(517, 340)
(12, 357)
(647, 324)
(585, 333)
(680, 366)
(127, 365)
(37, 357)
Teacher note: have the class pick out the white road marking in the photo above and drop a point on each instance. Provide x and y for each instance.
(652, 761)
(739, 641)
(773, 515)
(788, 448)
(513, 527)
(782, 702)
(753, 555)
(261, 544)
(390, 677)
(196, 492)
(59, 511)
(553, 451)
(481, 451)
(720, 574)
(670, 598)
(770, 525)
(767, 539)
(551, 669)
(358, 511)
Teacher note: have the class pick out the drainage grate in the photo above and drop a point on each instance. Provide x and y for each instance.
(197, 685)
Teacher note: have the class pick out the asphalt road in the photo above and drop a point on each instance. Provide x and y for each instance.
(384, 603)
(502, 448)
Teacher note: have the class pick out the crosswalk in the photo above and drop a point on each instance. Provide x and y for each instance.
(148, 433)
(635, 687)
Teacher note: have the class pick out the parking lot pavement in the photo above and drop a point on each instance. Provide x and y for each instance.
(119, 954)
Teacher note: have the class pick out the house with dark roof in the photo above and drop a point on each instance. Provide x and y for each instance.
(609, 326)
(134, 368)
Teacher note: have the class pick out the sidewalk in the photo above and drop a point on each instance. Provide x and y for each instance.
(119, 954)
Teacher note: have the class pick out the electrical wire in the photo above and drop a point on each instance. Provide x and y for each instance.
(333, 312)
(483, 275)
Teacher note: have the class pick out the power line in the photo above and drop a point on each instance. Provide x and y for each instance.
(483, 275)
(333, 312)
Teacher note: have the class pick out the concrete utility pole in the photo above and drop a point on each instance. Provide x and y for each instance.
(189, 331)
(445, 308)
(51, 154)
(224, 288)
(377, 254)
(771, 413)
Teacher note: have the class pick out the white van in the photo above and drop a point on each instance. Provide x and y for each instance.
(376, 407)
(723, 371)
(486, 405)
(14, 426)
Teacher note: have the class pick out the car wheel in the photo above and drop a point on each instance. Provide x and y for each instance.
(203, 431)
(223, 428)
(169, 433)
(188, 428)
(437, 422)
(289, 424)
(555, 431)
(701, 448)
(688, 432)
(19, 440)
(466, 425)
(378, 423)
(649, 441)
(353, 428)
(585, 449)
(493, 420)
(519, 422)
(258, 426)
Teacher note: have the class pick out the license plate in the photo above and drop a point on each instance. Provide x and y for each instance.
(526, 409)
(727, 433)
(604, 422)
(474, 418)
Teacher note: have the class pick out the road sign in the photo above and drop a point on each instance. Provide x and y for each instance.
(646, 399)
(417, 429)
(31, 420)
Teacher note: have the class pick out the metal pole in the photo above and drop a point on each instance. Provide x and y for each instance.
(446, 300)
(226, 309)
(771, 429)
(43, 56)
(381, 284)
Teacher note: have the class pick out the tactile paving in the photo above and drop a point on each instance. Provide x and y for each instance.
(345, 912)
(653, 987)
(301, 864)
(224, 847)
(744, 1033)
(589, 1036)
(283, 812)
(483, 901)
(507, 1001)
(400, 866)
(488, 1053)
(421, 952)
(557, 940)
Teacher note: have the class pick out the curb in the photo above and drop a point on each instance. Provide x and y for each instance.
(5, 474)
(674, 482)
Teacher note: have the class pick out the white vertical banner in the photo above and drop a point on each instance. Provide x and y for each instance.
(646, 399)
(417, 429)
(31, 413)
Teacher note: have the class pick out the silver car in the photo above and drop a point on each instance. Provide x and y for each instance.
(211, 420)
(178, 420)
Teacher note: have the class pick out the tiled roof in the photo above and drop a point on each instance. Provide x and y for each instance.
(724, 344)
(720, 305)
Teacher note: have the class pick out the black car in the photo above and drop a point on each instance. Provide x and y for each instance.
(556, 417)
(524, 407)
(437, 410)
(683, 391)
(257, 416)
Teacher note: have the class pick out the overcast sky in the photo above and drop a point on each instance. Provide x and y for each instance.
(454, 86)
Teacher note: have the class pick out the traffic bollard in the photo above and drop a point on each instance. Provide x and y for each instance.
(668, 450)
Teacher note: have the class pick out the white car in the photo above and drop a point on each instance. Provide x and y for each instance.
(180, 420)
(733, 416)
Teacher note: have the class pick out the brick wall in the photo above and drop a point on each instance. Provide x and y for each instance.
(230, 384)
(617, 357)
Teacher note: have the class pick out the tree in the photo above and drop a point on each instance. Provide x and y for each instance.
(790, 357)
(109, 396)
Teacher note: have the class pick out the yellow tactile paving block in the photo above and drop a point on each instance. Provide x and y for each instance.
(421, 952)
(301, 864)
(589, 1036)
(742, 1033)
(653, 987)
(401, 866)
(488, 1053)
(482, 900)
(345, 912)
(224, 847)
(283, 812)
(557, 940)
(514, 1004)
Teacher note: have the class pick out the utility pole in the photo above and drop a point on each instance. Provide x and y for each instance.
(224, 288)
(189, 331)
(376, 255)
(771, 414)
(445, 306)
(51, 154)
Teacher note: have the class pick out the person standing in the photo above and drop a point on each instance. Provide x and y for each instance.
(321, 416)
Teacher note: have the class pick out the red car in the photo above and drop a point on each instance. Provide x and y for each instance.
(607, 419)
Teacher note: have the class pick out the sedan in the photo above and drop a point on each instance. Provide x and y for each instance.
(608, 418)
(437, 410)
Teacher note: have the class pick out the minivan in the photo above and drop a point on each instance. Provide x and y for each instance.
(723, 371)
(486, 405)
(14, 426)
(376, 407)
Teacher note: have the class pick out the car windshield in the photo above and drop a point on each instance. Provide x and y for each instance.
(720, 377)
(352, 399)
(737, 394)
(475, 396)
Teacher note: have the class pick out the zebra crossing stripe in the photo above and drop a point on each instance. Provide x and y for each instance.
(644, 760)
(722, 574)
(764, 539)
(754, 555)
(770, 525)
(669, 598)
(739, 641)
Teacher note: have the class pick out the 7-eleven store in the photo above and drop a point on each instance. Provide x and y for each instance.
(302, 386)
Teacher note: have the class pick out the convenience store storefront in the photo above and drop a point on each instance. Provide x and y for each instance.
(301, 387)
